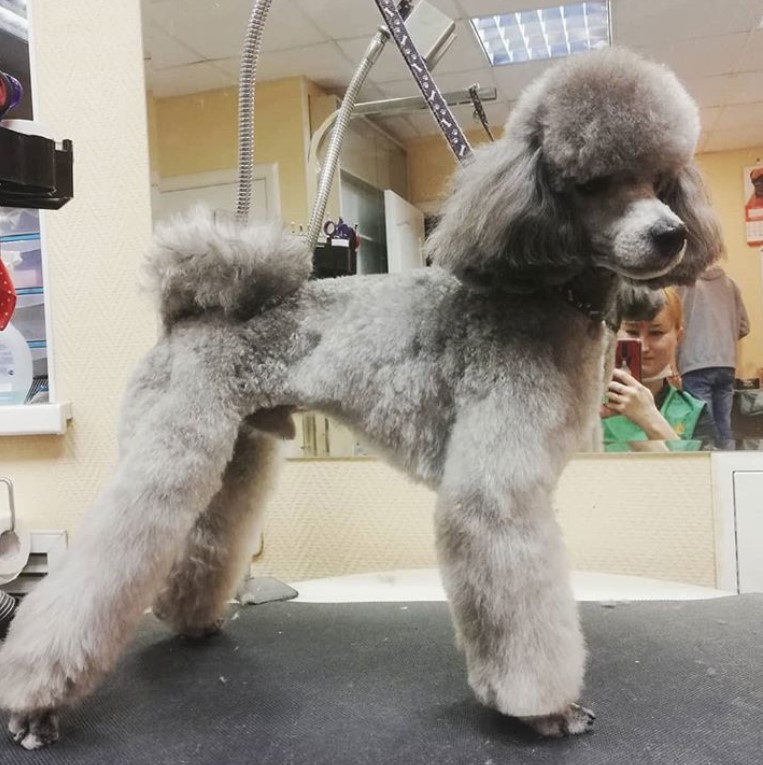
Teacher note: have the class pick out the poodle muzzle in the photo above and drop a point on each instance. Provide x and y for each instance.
(648, 242)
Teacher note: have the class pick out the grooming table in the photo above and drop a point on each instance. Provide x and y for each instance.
(672, 682)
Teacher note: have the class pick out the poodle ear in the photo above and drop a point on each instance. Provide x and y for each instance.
(687, 198)
(505, 223)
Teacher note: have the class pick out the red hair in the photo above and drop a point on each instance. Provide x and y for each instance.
(674, 308)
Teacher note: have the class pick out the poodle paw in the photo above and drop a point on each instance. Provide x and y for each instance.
(570, 722)
(203, 631)
(34, 730)
(186, 628)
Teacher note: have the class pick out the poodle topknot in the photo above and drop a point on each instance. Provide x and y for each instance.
(479, 377)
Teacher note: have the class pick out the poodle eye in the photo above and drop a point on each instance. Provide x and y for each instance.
(662, 187)
(595, 185)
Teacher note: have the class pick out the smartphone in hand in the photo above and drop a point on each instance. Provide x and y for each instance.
(628, 356)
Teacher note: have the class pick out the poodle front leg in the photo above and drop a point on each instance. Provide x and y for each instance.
(71, 629)
(505, 571)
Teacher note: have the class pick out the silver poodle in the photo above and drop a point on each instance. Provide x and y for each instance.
(479, 377)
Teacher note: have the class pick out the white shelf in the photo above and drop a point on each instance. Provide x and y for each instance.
(35, 419)
(323, 242)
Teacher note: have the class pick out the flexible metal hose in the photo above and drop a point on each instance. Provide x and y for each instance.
(343, 117)
(246, 86)
(7, 607)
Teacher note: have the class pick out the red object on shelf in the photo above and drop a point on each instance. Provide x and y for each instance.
(7, 296)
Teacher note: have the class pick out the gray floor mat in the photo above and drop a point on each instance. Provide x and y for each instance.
(674, 683)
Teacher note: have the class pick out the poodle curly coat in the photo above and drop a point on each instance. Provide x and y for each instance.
(479, 376)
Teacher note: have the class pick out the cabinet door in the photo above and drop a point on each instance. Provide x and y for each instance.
(217, 190)
(748, 509)
(405, 233)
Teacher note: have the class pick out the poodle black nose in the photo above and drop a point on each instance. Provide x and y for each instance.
(668, 238)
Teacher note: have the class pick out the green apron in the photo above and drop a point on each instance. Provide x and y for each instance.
(680, 409)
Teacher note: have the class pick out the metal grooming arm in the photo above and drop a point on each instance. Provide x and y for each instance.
(431, 97)
(386, 107)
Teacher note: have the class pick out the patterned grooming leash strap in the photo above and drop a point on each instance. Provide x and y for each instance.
(442, 114)
(474, 94)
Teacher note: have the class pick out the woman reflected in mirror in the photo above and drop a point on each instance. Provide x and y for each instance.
(654, 408)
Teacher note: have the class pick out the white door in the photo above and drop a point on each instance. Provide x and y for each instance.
(405, 234)
(748, 507)
(218, 191)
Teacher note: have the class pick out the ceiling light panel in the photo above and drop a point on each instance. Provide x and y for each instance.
(517, 37)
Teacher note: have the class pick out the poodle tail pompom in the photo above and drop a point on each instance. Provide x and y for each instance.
(202, 261)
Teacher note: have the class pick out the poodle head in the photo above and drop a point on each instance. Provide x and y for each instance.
(595, 169)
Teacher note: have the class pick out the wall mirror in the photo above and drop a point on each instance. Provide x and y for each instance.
(395, 164)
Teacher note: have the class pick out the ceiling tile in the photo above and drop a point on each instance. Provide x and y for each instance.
(746, 15)
(390, 65)
(192, 78)
(651, 21)
(746, 88)
(165, 51)
(371, 92)
(742, 116)
(708, 117)
(727, 140)
(424, 123)
(322, 63)
(698, 57)
(751, 58)
(217, 30)
(449, 7)
(711, 91)
(512, 79)
(401, 88)
(342, 19)
(464, 53)
(231, 66)
(287, 27)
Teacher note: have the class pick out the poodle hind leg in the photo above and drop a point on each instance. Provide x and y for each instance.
(72, 628)
(505, 570)
(195, 596)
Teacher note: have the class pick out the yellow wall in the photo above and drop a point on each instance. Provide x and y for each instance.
(198, 133)
(723, 172)
(431, 163)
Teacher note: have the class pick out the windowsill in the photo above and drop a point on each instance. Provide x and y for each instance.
(35, 419)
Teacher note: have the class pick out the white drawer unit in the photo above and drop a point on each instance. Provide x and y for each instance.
(738, 479)
(748, 510)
